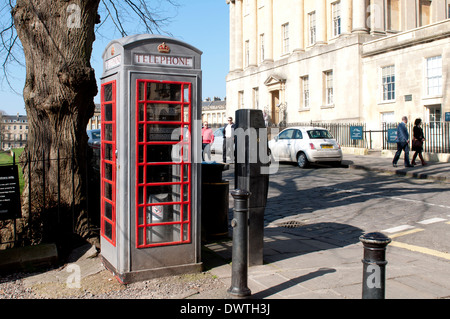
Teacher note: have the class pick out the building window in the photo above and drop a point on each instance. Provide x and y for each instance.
(261, 47)
(387, 117)
(424, 12)
(434, 76)
(329, 89)
(285, 37)
(305, 91)
(435, 114)
(247, 53)
(336, 12)
(388, 83)
(256, 98)
(393, 15)
(312, 28)
(241, 99)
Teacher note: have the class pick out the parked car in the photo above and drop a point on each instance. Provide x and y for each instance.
(217, 145)
(94, 138)
(305, 145)
(94, 143)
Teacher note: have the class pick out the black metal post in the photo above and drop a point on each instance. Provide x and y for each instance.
(239, 264)
(374, 261)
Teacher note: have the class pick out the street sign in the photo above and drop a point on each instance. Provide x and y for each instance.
(356, 132)
(9, 193)
(392, 135)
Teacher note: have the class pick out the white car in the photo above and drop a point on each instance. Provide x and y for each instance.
(305, 145)
(217, 145)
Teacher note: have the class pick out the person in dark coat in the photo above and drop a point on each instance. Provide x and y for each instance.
(418, 140)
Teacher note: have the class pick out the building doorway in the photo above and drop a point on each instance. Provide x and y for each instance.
(434, 133)
(434, 113)
(275, 103)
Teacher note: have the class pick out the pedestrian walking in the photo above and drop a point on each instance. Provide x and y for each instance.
(228, 141)
(402, 143)
(207, 140)
(417, 143)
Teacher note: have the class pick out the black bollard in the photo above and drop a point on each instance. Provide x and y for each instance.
(239, 264)
(374, 270)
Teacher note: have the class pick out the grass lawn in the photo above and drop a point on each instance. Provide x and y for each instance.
(6, 158)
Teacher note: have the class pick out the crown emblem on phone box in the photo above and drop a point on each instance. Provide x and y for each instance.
(163, 48)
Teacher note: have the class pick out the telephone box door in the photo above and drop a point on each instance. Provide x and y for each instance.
(163, 170)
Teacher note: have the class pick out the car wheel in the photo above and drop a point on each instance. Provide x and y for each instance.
(271, 159)
(302, 161)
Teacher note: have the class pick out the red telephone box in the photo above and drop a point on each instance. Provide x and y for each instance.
(151, 183)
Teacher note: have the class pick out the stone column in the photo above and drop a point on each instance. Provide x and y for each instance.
(438, 10)
(359, 17)
(269, 30)
(300, 18)
(231, 3)
(377, 17)
(346, 16)
(409, 13)
(253, 61)
(239, 43)
(321, 22)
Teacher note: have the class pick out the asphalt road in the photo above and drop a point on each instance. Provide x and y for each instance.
(414, 213)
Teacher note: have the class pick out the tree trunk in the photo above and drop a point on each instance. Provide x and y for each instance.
(57, 38)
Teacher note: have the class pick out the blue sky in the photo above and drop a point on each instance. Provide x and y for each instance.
(201, 23)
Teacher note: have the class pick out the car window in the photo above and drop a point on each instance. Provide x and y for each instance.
(317, 134)
(285, 135)
(298, 135)
(218, 132)
(95, 135)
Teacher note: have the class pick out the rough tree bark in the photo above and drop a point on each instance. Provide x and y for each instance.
(57, 38)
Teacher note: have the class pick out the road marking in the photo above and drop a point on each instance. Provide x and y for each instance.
(408, 232)
(398, 228)
(388, 197)
(422, 250)
(431, 221)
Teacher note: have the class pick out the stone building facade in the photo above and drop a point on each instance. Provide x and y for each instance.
(340, 60)
(214, 111)
(14, 131)
(95, 121)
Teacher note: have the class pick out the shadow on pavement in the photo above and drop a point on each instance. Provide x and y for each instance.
(292, 283)
(285, 242)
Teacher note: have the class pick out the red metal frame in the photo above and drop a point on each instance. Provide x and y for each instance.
(141, 167)
(104, 181)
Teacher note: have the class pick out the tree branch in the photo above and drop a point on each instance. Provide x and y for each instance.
(8, 38)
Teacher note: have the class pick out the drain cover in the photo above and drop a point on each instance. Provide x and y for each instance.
(291, 224)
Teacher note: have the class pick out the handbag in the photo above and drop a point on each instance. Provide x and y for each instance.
(417, 143)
